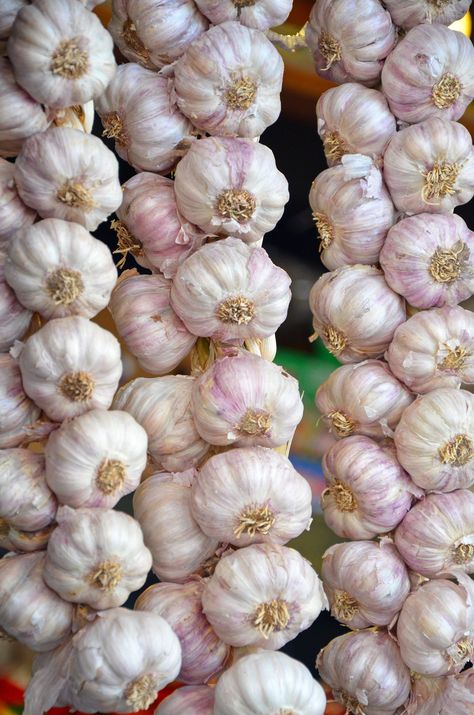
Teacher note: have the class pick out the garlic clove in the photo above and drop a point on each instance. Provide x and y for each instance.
(14, 214)
(18, 413)
(14, 317)
(408, 13)
(190, 700)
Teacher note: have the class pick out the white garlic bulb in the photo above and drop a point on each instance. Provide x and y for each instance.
(10, 10)
(237, 94)
(18, 413)
(408, 13)
(190, 700)
(58, 269)
(96, 458)
(231, 187)
(69, 174)
(14, 317)
(430, 167)
(26, 502)
(76, 61)
(266, 681)
(14, 214)
(262, 595)
(162, 407)
(251, 495)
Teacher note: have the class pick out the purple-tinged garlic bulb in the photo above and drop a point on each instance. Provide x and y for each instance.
(444, 695)
(408, 13)
(14, 214)
(18, 413)
(15, 318)
(26, 501)
(261, 15)
(189, 700)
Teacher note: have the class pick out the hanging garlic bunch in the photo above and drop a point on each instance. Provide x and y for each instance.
(14, 317)
(18, 414)
(14, 214)
(26, 502)
(408, 13)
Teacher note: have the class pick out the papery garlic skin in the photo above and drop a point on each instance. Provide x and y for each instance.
(79, 116)
(231, 187)
(60, 52)
(251, 495)
(57, 268)
(14, 214)
(14, 317)
(408, 13)
(228, 82)
(261, 15)
(349, 39)
(243, 399)
(31, 612)
(204, 655)
(362, 399)
(190, 700)
(261, 682)
(430, 167)
(436, 537)
(162, 407)
(231, 291)
(263, 595)
(68, 174)
(96, 459)
(365, 671)
(162, 505)
(26, 501)
(96, 557)
(17, 412)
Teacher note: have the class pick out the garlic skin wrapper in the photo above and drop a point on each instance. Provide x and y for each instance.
(96, 557)
(190, 700)
(243, 399)
(261, 15)
(26, 502)
(367, 492)
(429, 73)
(30, 612)
(408, 13)
(14, 214)
(231, 187)
(355, 324)
(436, 537)
(228, 82)
(60, 52)
(230, 291)
(251, 495)
(162, 407)
(204, 655)
(266, 681)
(429, 259)
(353, 212)
(435, 440)
(349, 39)
(434, 348)
(354, 120)
(362, 399)
(70, 366)
(366, 582)
(96, 459)
(138, 111)
(65, 173)
(14, 317)
(365, 672)
(150, 328)
(445, 695)
(57, 268)
(430, 167)
(263, 595)
(17, 412)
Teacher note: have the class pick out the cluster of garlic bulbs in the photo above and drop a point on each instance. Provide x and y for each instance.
(216, 500)
(400, 473)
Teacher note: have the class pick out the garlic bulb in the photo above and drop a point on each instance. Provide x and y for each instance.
(10, 10)
(203, 654)
(65, 173)
(57, 268)
(231, 291)
(445, 695)
(365, 672)
(362, 399)
(353, 212)
(14, 317)
(367, 492)
(266, 681)
(14, 214)
(26, 502)
(408, 13)
(190, 700)
(20, 115)
(70, 366)
(354, 120)
(26, 542)
(435, 440)
(17, 412)
(162, 407)
(235, 94)
(437, 536)
(435, 629)
(155, 34)
(231, 187)
(29, 611)
(138, 111)
(430, 73)
(162, 505)
(96, 458)
(263, 595)
(434, 348)
(147, 323)
(430, 167)
(251, 495)
(245, 400)
(349, 39)
(355, 324)
(60, 53)
(261, 15)
(96, 557)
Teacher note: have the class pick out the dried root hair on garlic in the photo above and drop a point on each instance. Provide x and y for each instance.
(14, 213)
(26, 501)
(18, 413)
(408, 13)
(15, 318)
